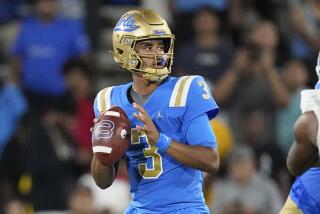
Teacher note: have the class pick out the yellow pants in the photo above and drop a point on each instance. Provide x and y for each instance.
(290, 207)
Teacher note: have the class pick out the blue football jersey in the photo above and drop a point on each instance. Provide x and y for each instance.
(159, 183)
(305, 191)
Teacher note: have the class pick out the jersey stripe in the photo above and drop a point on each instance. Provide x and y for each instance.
(103, 98)
(175, 92)
(186, 90)
(108, 97)
(180, 91)
(99, 100)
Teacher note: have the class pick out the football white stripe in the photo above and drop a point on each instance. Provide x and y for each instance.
(102, 149)
(186, 90)
(112, 113)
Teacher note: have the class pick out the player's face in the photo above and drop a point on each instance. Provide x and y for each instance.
(151, 53)
(46, 8)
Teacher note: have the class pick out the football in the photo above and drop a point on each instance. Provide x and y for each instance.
(111, 135)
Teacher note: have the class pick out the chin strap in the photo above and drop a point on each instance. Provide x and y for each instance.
(154, 78)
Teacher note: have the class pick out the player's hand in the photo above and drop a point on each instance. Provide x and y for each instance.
(267, 61)
(149, 127)
(241, 61)
(95, 120)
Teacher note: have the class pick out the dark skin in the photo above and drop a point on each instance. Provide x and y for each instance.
(303, 153)
(199, 157)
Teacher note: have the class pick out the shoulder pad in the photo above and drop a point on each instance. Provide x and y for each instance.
(104, 99)
(180, 91)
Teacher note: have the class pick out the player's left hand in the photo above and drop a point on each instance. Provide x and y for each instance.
(149, 127)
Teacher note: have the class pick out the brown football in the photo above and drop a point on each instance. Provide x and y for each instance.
(111, 135)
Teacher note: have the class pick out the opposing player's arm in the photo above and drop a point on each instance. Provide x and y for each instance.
(303, 152)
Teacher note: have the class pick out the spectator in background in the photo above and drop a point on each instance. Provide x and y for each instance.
(13, 105)
(13, 182)
(10, 10)
(14, 206)
(184, 11)
(294, 75)
(270, 158)
(81, 201)
(208, 55)
(225, 142)
(113, 200)
(72, 9)
(252, 81)
(305, 41)
(50, 163)
(78, 80)
(244, 191)
(43, 44)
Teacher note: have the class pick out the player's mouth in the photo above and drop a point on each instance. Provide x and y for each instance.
(159, 64)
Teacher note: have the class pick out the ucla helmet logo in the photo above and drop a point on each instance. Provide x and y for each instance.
(126, 23)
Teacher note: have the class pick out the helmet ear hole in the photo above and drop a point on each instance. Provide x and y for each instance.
(166, 43)
(119, 51)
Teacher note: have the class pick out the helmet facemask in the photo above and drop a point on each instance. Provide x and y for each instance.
(163, 62)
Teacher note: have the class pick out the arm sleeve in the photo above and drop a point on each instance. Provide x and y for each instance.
(95, 108)
(199, 101)
(200, 133)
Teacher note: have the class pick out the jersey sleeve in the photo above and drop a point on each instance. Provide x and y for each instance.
(102, 101)
(198, 101)
(199, 132)
(95, 108)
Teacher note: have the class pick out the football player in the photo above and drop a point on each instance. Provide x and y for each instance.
(303, 157)
(171, 138)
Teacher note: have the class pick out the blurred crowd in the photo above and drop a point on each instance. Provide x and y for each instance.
(256, 56)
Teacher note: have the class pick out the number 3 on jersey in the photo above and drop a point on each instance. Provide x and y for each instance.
(150, 151)
(206, 94)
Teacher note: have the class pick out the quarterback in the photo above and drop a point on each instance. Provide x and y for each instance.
(172, 141)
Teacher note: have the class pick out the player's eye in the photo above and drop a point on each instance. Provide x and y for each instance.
(161, 48)
(147, 47)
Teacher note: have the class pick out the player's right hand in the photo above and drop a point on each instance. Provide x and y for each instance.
(149, 128)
